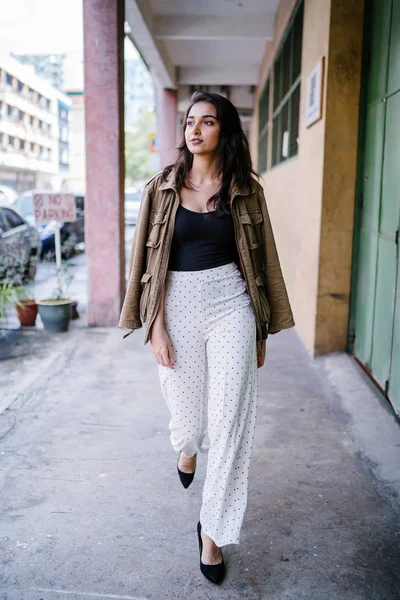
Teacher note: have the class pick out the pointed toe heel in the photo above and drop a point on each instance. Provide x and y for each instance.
(213, 573)
(186, 478)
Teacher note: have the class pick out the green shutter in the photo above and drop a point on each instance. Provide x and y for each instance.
(377, 304)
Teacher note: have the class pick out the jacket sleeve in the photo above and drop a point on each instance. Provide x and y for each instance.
(281, 312)
(130, 313)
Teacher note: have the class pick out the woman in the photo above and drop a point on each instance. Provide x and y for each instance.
(210, 309)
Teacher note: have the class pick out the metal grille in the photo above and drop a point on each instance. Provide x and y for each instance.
(284, 130)
(294, 126)
(262, 153)
(286, 92)
(297, 43)
(285, 65)
(264, 107)
(263, 125)
(275, 140)
(277, 82)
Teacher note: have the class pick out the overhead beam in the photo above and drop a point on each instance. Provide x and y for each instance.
(196, 27)
(240, 74)
(140, 20)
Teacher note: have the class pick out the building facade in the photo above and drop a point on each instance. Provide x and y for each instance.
(330, 179)
(47, 66)
(30, 128)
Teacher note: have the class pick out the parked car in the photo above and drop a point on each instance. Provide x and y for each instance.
(18, 238)
(133, 197)
(72, 234)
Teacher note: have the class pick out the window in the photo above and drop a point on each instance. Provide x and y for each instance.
(11, 218)
(20, 85)
(31, 119)
(64, 157)
(10, 110)
(9, 79)
(11, 141)
(286, 102)
(20, 115)
(32, 146)
(22, 144)
(263, 125)
(80, 202)
(3, 222)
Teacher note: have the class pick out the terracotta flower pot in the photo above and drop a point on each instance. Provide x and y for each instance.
(27, 313)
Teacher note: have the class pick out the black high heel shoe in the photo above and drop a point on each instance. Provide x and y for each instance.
(213, 573)
(186, 478)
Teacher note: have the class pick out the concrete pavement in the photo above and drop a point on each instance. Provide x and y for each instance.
(91, 505)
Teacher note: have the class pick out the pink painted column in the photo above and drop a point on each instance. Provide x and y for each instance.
(104, 125)
(168, 141)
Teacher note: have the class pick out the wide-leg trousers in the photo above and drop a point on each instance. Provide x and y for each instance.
(212, 392)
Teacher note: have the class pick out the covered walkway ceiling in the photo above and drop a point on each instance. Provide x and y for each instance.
(201, 42)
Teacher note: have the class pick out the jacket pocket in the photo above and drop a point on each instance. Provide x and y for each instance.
(157, 219)
(262, 296)
(144, 296)
(251, 222)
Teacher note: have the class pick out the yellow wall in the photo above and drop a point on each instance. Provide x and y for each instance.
(296, 189)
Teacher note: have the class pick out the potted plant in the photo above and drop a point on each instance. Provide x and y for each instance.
(55, 311)
(14, 282)
(26, 307)
(8, 298)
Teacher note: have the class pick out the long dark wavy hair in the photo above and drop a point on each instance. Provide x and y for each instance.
(232, 155)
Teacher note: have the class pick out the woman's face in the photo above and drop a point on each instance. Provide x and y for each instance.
(202, 129)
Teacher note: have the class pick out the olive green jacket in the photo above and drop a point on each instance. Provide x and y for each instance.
(259, 262)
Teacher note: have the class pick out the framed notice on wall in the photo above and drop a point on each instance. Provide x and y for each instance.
(315, 93)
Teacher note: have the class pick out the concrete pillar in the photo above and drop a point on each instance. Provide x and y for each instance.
(168, 120)
(104, 126)
(339, 175)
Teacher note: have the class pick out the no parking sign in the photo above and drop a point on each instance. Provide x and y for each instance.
(54, 207)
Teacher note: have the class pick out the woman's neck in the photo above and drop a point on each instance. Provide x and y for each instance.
(203, 171)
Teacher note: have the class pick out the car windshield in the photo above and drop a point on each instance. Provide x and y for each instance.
(24, 205)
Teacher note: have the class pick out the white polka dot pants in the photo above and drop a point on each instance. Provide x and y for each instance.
(212, 392)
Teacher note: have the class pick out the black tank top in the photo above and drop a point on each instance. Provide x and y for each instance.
(202, 241)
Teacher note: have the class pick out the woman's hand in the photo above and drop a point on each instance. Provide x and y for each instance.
(161, 346)
(261, 347)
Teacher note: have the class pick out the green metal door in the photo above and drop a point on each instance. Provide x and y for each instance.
(377, 306)
(393, 90)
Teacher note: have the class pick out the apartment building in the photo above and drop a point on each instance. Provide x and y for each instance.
(33, 128)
